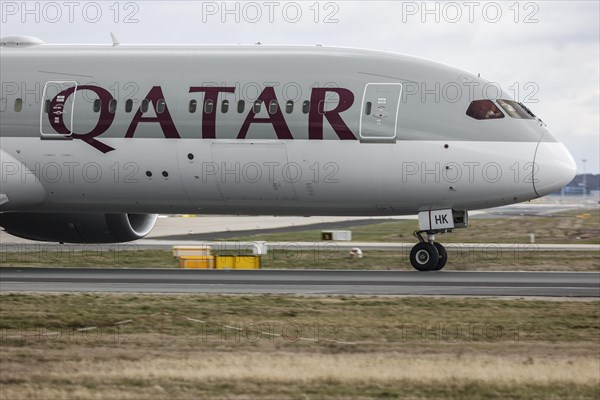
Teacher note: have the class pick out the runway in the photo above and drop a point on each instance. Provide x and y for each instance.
(322, 282)
(16, 249)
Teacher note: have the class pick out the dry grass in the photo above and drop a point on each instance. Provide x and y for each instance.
(350, 368)
(208, 374)
(547, 349)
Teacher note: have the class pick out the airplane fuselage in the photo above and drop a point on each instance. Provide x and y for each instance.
(259, 130)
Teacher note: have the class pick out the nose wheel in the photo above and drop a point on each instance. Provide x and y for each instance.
(424, 256)
(443, 256)
(428, 255)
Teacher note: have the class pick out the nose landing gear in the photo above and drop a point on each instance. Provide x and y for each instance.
(428, 255)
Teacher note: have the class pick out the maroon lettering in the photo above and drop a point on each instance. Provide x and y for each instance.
(163, 118)
(317, 112)
(276, 119)
(209, 118)
(104, 121)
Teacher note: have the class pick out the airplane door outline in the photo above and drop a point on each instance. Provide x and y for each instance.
(381, 123)
(46, 130)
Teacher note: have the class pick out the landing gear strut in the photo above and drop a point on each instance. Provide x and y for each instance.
(428, 255)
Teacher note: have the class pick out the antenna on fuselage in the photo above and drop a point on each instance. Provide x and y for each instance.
(115, 41)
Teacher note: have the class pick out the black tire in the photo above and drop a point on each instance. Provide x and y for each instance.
(443, 256)
(424, 257)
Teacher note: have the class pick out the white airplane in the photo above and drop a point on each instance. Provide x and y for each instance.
(96, 140)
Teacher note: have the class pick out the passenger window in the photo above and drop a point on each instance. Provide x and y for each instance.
(128, 105)
(515, 110)
(368, 108)
(225, 106)
(47, 106)
(272, 107)
(97, 105)
(18, 105)
(144, 107)
(208, 106)
(112, 106)
(306, 107)
(160, 106)
(192, 107)
(484, 109)
(241, 106)
(256, 108)
(289, 107)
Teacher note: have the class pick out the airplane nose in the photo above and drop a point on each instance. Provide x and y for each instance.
(554, 167)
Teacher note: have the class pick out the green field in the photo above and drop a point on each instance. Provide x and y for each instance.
(574, 227)
(581, 227)
(528, 259)
(277, 347)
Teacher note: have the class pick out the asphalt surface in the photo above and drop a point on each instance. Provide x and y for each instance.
(547, 284)
(16, 250)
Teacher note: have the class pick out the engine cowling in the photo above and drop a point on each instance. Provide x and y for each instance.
(78, 228)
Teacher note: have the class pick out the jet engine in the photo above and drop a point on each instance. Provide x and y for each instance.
(78, 227)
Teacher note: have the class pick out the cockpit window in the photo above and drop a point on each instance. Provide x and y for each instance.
(528, 110)
(515, 110)
(484, 109)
